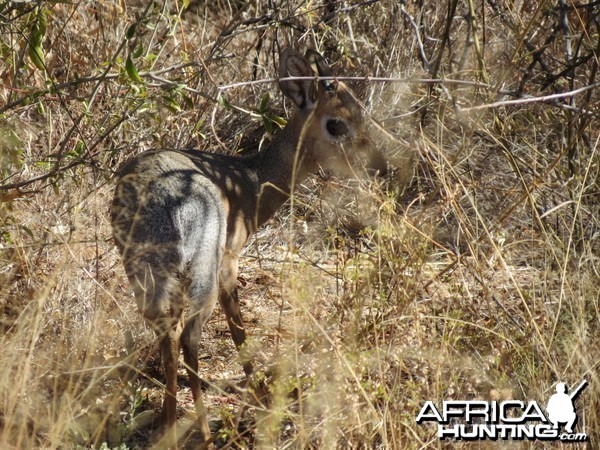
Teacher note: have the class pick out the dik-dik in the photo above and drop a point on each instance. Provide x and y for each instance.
(181, 217)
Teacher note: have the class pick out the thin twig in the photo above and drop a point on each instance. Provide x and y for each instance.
(422, 54)
(346, 9)
(523, 101)
(367, 79)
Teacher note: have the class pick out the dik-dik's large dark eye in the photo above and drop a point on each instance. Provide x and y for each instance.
(337, 128)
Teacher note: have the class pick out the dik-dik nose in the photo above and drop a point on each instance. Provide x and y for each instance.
(377, 164)
(374, 161)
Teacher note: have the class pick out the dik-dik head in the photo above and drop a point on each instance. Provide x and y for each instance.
(334, 135)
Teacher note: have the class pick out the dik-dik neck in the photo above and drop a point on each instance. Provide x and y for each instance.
(281, 166)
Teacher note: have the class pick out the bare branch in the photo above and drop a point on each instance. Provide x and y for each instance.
(367, 79)
(527, 100)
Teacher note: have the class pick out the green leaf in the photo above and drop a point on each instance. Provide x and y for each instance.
(137, 52)
(278, 120)
(132, 71)
(36, 37)
(40, 108)
(36, 54)
(35, 51)
(79, 148)
(224, 102)
(171, 104)
(5, 235)
(268, 124)
(27, 231)
(139, 90)
(131, 31)
(189, 103)
(42, 22)
(264, 102)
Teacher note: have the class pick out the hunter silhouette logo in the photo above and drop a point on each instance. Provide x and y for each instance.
(509, 419)
(560, 406)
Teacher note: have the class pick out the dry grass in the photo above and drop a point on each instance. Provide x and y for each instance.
(481, 281)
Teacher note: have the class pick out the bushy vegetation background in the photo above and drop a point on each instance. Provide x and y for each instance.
(476, 279)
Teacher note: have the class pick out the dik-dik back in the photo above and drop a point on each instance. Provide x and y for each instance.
(181, 218)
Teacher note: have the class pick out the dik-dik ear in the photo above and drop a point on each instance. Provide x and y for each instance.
(321, 67)
(293, 64)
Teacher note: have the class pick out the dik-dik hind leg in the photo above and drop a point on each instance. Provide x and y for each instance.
(202, 293)
(169, 351)
(189, 343)
(228, 298)
(158, 299)
(168, 327)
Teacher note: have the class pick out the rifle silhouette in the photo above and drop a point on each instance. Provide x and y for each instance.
(578, 390)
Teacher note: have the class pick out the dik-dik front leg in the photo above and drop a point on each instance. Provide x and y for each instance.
(228, 298)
